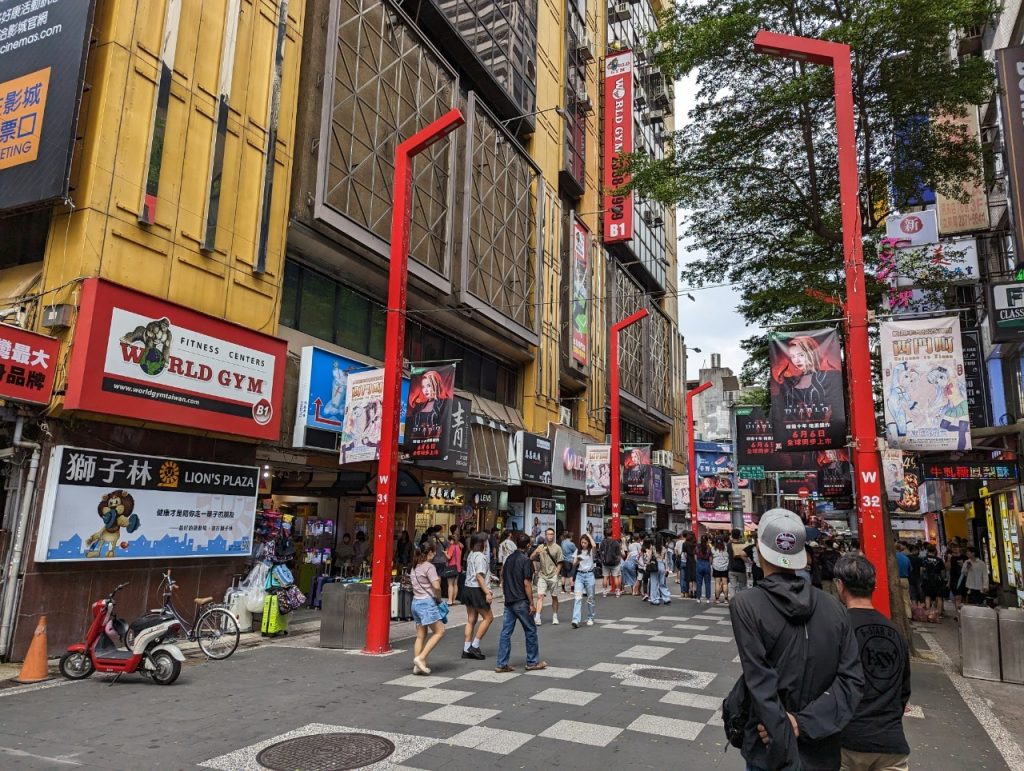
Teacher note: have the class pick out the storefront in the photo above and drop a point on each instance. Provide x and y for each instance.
(569, 478)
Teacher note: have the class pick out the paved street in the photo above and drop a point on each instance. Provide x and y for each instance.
(639, 689)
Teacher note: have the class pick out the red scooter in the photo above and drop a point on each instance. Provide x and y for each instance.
(145, 651)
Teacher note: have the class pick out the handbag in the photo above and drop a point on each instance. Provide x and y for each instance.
(449, 572)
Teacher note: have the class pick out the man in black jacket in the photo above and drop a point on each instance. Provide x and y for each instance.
(801, 664)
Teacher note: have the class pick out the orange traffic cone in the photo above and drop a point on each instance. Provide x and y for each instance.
(35, 669)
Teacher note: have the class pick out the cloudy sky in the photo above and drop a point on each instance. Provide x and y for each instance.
(708, 322)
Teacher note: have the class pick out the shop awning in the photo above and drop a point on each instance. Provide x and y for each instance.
(488, 451)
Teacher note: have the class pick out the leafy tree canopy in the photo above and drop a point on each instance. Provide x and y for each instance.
(755, 163)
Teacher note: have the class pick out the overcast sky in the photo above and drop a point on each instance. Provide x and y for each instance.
(711, 323)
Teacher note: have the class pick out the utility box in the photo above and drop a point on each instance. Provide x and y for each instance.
(979, 643)
(1011, 644)
(357, 610)
(332, 616)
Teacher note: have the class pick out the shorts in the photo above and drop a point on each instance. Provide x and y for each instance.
(935, 591)
(612, 571)
(958, 590)
(567, 569)
(720, 573)
(474, 597)
(424, 612)
(547, 585)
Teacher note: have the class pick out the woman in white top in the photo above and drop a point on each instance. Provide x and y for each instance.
(977, 577)
(720, 570)
(584, 564)
(478, 598)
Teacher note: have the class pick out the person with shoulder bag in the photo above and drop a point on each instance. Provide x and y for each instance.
(429, 612)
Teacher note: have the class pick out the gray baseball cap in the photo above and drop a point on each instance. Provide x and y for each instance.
(781, 538)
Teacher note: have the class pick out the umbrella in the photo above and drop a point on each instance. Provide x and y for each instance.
(671, 533)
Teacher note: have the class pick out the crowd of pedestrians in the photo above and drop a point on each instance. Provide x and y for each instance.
(934, 579)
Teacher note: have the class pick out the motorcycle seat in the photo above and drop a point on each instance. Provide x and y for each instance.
(203, 600)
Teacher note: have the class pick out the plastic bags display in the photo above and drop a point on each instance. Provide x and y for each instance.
(253, 586)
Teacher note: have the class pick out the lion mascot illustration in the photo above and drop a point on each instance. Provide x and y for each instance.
(156, 341)
(117, 510)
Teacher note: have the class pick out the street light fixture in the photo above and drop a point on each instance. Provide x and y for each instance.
(858, 362)
(378, 623)
(614, 452)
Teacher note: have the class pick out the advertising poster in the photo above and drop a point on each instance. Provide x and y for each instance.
(536, 463)
(28, 363)
(968, 216)
(974, 378)
(923, 385)
(100, 505)
(756, 445)
(835, 476)
(598, 469)
(808, 406)
(580, 294)
(429, 411)
(892, 473)
(618, 143)
(636, 470)
(540, 513)
(360, 440)
(680, 493)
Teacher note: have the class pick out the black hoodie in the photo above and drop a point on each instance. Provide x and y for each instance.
(799, 655)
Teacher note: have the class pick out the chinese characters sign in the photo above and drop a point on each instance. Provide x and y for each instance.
(140, 357)
(101, 505)
(580, 294)
(27, 364)
(43, 49)
(974, 378)
(532, 454)
(968, 470)
(618, 143)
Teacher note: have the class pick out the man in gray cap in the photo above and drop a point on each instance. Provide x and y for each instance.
(802, 675)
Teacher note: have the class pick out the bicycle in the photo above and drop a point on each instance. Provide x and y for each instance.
(213, 627)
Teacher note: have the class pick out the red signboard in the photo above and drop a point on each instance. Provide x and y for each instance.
(618, 142)
(140, 357)
(27, 364)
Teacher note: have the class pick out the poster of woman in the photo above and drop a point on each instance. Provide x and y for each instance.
(429, 411)
(808, 407)
(924, 385)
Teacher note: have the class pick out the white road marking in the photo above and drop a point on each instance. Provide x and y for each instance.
(63, 760)
(22, 689)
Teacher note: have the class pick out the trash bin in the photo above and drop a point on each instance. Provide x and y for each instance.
(332, 615)
(1011, 644)
(979, 642)
(356, 611)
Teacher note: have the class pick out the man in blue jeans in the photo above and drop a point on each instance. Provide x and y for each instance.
(517, 583)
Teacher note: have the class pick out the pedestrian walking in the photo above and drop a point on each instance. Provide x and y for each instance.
(453, 568)
(977, 577)
(955, 561)
(934, 584)
(426, 593)
(737, 563)
(802, 675)
(874, 740)
(690, 550)
(517, 586)
(583, 562)
(660, 593)
(903, 566)
(643, 559)
(680, 555)
(568, 552)
(916, 560)
(703, 555)
(477, 597)
(548, 557)
(629, 568)
(827, 564)
(610, 552)
(720, 570)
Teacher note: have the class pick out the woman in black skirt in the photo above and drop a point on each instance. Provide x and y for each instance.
(477, 596)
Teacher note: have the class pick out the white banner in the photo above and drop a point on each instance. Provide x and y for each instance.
(923, 383)
(360, 438)
(598, 469)
(680, 493)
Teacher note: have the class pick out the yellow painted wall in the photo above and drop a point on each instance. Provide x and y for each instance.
(101, 235)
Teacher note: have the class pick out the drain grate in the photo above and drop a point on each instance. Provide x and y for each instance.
(664, 673)
(326, 752)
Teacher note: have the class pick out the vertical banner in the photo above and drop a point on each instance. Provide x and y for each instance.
(636, 466)
(1009, 66)
(680, 493)
(923, 385)
(971, 215)
(360, 438)
(599, 469)
(580, 293)
(429, 411)
(808, 406)
(974, 378)
(618, 142)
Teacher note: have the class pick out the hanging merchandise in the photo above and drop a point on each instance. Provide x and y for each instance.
(923, 385)
(808, 407)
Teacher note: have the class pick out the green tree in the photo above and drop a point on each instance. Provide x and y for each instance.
(755, 163)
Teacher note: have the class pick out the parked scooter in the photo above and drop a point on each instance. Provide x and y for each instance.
(145, 650)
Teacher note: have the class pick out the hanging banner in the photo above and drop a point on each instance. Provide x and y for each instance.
(636, 470)
(1009, 66)
(835, 477)
(599, 469)
(360, 440)
(680, 493)
(580, 294)
(974, 378)
(756, 446)
(892, 472)
(429, 411)
(808, 406)
(923, 385)
(456, 437)
(971, 215)
(618, 143)
(101, 506)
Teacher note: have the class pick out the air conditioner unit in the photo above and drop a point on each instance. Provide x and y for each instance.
(654, 116)
(639, 100)
(584, 101)
(585, 49)
(662, 458)
(620, 12)
(660, 95)
(648, 217)
(565, 416)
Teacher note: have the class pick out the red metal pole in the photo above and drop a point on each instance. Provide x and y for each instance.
(614, 452)
(858, 357)
(378, 623)
(691, 453)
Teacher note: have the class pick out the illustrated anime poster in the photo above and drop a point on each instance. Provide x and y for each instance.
(598, 469)
(580, 294)
(680, 493)
(636, 470)
(429, 411)
(924, 385)
(360, 437)
(808, 408)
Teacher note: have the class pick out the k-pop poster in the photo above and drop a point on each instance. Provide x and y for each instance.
(636, 470)
(924, 385)
(808, 408)
(429, 414)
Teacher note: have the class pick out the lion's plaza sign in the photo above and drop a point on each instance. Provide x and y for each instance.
(140, 357)
(102, 505)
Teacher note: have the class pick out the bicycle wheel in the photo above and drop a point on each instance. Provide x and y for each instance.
(217, 633)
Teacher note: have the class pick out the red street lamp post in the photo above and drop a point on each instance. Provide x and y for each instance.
(378, 624)
(691, 453)
(614, 452)
(858, 361)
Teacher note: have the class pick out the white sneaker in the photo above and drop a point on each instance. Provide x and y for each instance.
(536, 619)
(590, 622)
(554, 619)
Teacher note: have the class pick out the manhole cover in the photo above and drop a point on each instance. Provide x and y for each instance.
(663, 673)
(325, 752)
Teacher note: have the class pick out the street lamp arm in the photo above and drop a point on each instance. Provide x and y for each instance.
(800, 48)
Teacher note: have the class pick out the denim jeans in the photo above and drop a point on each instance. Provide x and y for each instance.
(659, 586)
(517, 611)
(629, 572)
(584, 586)
(704, 578)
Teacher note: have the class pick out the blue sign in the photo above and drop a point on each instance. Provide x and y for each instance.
(713, 463)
